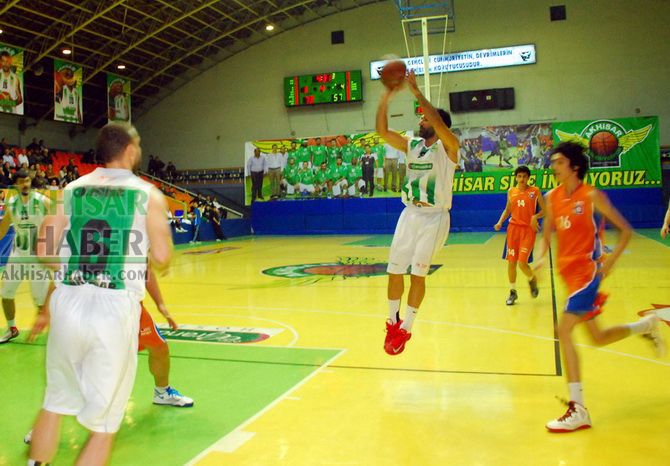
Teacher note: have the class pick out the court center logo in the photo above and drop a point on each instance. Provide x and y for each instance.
(606, 141)
(344, 268)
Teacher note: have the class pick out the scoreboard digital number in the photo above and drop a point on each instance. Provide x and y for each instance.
(324, 88)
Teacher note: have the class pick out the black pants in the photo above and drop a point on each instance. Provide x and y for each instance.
(369, 179)
(218, 231)
(256, 185)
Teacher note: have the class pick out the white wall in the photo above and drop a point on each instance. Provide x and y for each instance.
(609, 59)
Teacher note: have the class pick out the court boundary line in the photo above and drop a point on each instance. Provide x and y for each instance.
(267, 408)
(554, 311)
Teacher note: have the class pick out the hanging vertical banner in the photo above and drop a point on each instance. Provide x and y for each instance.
(11, 79)
(118, 98)
(68, 86)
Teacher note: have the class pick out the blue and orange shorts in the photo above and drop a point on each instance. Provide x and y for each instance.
(519, 243)
(583, 283)
(150, 335)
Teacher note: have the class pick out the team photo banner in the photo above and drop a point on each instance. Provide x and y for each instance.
(118, 99)
(623, 152)
(467, 60)
(11, 79)
(68, 92)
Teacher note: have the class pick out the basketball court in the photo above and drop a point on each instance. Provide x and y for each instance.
(282, 352)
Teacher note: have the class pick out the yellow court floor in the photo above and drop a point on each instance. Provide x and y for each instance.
(476, 383)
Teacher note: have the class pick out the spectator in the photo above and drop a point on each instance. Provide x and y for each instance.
(256, 168)
(158, 167)
(195, 215)
(50, 172)
(171, 171)
(32, 170)
(151, 168)
(23, 158)
(215, 218)
(53, 184)
(69, 168)
(8, 157)
(88, 157)
(46, 156)
(3, 145)
(43, 146)
(34, 146)
(6, 175)
(40, 181)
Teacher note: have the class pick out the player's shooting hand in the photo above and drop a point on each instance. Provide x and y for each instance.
(664, 231)
(411, 84)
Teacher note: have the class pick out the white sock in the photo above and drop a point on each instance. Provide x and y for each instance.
(394, 310)
(576, 394)
(11, 323)
(410, 315)
(162, 389)
(642, 326)
(512, 285)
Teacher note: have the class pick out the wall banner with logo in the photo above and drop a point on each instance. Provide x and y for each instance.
(118, 98)
(623, 152)
(11, 79)
(68, 92)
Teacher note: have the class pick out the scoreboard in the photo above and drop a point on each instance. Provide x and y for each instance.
(324, 88)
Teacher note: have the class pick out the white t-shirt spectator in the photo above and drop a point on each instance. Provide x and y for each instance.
(23, 158)
(9, 158)
(391, 152)
(273, 160)
(256, 164)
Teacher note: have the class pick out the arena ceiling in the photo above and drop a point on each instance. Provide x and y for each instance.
(162, 43)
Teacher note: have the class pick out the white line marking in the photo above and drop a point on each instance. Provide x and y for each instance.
(260, 413)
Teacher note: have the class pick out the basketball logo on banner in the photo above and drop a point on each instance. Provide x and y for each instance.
(68, 92)
(118, 99)
(11, 80)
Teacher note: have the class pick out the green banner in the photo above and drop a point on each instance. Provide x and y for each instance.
(68, 92)
(11, 79)
(118, 98)
(623, 152)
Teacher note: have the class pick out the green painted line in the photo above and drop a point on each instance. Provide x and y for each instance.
(229, 384)
(383, 241)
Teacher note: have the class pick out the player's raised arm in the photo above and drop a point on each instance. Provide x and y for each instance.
(449, 139)
(394, 138)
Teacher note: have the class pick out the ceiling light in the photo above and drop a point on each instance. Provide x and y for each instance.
(0, 31)
(120, 67)
(269, 27)
(66, 51)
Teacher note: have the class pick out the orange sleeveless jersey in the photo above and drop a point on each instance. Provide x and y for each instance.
(578, 233)
(523, 205)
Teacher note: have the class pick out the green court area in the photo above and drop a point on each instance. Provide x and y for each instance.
(229, 383)
(654, 233)
(384, 241)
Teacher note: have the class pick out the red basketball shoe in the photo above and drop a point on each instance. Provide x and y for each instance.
(396, 343)
(391, 330)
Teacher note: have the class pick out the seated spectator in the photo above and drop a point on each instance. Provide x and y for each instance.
(89, 156)
(32, 170)
(9, 157)
(23, 158)
(43, 146)
(6, 175)
(40, 181)
(50, 172)
(53, 184)
(46, 156)
(34, 146)
(70, 167)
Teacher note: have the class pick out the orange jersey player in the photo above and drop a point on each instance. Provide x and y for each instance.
(522, 203)
(571, 212)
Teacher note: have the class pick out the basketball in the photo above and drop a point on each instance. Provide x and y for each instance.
(393, 74)
(603, 143)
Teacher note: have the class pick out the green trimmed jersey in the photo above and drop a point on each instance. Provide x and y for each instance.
(319, 154)
(336, 173)
(107, 240)
(304, 155)
(380, 152)
(292, 154)
(354, 174)
(321, 176)
(307, 176)
(26, 219)
(430, 175)
(291, 174)
(348, 153)
(333, 154)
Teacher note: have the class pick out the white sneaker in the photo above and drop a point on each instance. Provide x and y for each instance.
(172, 397)
(10, 334)
(654, 335)
(28, 438)
(575, 418)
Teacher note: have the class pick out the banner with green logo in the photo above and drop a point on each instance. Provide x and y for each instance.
(623, 152)
(118, 98)
(11, 79)
(68, 92)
